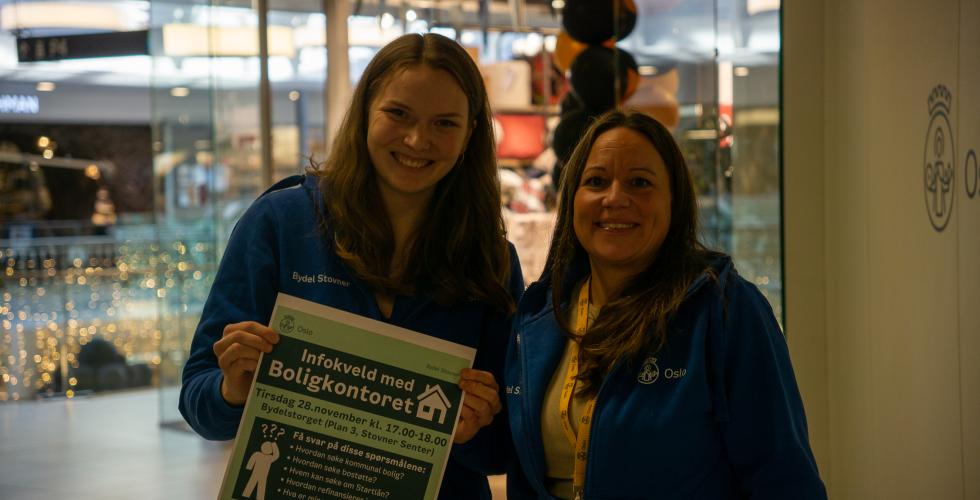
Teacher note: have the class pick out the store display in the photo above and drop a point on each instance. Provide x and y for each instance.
(525, 232)
(521, 193)
(520, 136)
(508, 84)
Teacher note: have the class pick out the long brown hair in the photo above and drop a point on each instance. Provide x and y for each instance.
(460, 252)
(635, 321)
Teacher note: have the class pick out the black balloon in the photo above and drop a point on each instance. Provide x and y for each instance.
(629, 60)
(591, 21)
(593, 79)
(568, 131)
(569, 103)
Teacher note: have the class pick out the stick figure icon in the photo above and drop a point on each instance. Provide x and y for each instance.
(259, 463)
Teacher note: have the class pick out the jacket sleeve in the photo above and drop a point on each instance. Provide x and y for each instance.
(244, 289)
(490, 451)
(761, 414)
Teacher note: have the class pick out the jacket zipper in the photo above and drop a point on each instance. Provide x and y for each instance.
(592, 426)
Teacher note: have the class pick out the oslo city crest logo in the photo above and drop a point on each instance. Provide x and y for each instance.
(287, 323)
(940, 156)
(649, 372)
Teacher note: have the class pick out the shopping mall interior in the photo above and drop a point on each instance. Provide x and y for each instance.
(135, 133)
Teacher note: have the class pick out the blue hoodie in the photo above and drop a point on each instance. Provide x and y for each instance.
(722, 418)
(277, 246)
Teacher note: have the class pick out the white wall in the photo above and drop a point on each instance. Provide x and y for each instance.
(804, 227)
(882, 307)
(968, 132)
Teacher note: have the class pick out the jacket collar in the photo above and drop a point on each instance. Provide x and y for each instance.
(538, 295)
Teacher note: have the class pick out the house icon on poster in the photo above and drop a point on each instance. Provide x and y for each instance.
(431, 401)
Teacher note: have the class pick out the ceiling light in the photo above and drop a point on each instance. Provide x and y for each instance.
(45, 86)
(120, 16)
(410, 15)
(180, 91)
(186, 40)
(387, 21)
(647, 70)
(756, 6)
(741, 71)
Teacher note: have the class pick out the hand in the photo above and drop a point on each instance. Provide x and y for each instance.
(481, 401)
(238, 357)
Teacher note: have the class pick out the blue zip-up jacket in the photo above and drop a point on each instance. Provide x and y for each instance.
(277, 246)
(722, 418)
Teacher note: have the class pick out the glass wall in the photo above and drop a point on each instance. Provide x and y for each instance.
(122, 177)
(208, 149)
(710, 68)
(77, 304)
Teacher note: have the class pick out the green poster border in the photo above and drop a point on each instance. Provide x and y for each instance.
(367, 338)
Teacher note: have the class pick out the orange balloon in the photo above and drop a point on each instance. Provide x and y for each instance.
(669, 114)
(656, 100)
(566, 50)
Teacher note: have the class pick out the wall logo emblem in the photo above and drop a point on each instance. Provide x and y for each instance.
(971, 174)
(940, 156)
(287, 323)
(649, 372)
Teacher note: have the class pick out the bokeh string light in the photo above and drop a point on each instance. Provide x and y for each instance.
(143, 296)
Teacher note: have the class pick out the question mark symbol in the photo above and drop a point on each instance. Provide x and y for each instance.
(281, 432)
(264, 428)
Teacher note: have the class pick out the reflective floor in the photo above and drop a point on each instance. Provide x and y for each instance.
(107, 447)
(103, 447)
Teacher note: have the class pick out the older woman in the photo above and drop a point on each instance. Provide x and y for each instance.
(641, 364)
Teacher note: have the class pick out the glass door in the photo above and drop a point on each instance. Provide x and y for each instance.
(209, 163)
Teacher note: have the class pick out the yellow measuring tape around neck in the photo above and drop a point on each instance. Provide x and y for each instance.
(580, 443)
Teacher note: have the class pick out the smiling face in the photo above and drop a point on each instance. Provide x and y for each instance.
(418, 125)
(622, 203)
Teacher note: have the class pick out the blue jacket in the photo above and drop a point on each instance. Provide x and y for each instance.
(722, 419)
(277, 246)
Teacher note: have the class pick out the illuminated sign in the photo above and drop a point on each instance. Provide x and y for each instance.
(19, 104)
(56, 48)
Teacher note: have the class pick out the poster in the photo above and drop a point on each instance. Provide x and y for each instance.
(346, 407)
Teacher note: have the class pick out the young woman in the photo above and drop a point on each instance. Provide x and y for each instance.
(642, 365)
(402, 224)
